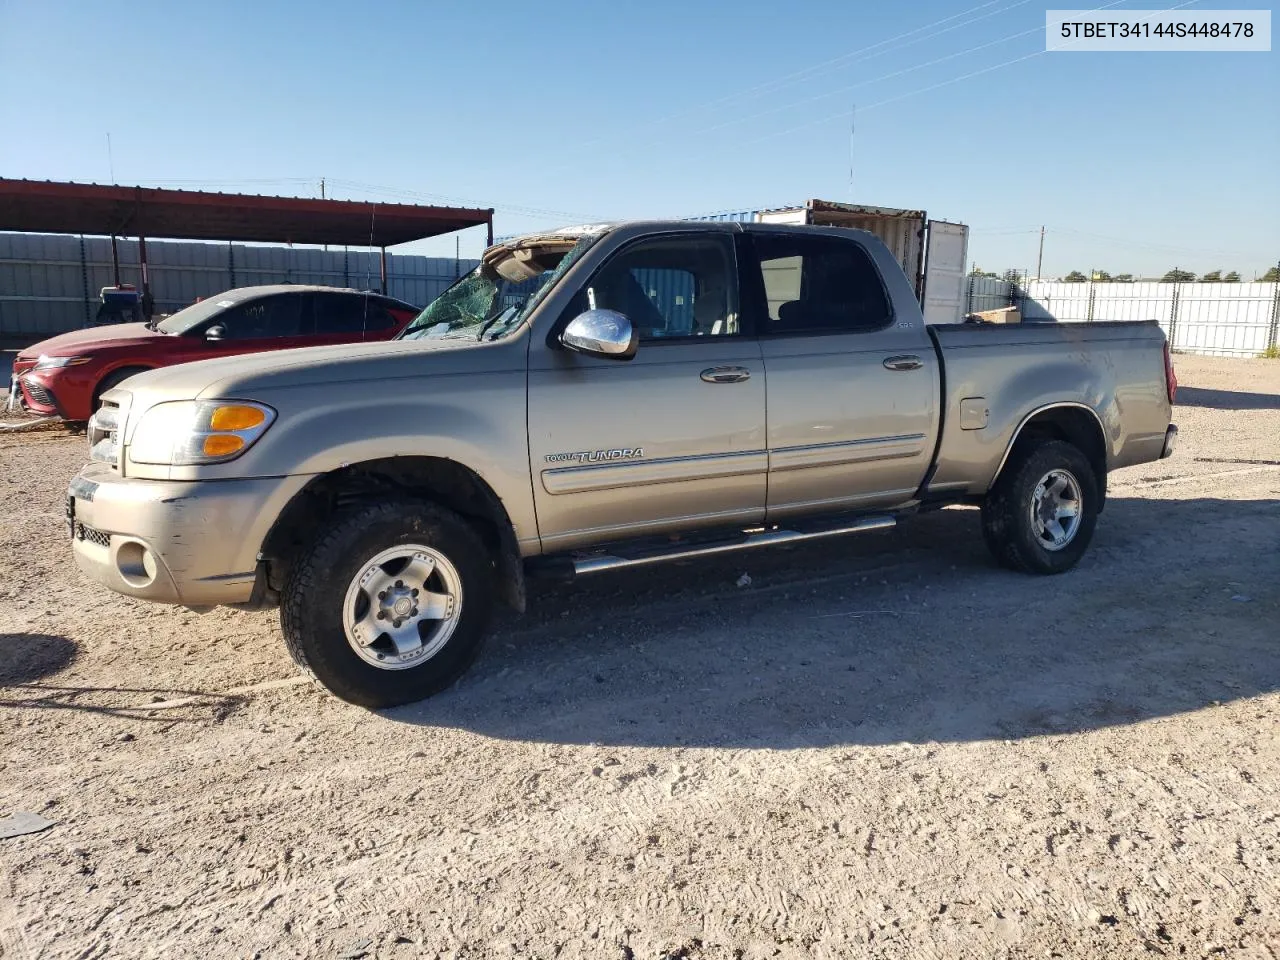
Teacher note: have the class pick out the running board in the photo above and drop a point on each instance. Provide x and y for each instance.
(767, 538)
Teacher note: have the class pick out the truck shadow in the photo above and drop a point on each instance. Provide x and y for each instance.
(1227, 399)
(911, 635)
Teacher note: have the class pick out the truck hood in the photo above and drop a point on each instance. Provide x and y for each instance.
(84, 341)
(365, 364)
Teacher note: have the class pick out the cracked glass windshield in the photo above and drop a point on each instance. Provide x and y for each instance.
(484, 305)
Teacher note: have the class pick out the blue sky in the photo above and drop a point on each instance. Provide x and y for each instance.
(584, 110)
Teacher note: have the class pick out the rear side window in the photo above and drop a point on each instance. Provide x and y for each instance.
(273, 316)
(347, 313)
(817, 284)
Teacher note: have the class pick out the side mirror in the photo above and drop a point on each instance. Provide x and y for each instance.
(215, 333)
(601, 333)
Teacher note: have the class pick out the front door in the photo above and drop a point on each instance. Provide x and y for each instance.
(671, 438)
(852, 388)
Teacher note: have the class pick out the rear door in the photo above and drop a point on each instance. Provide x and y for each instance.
(338, 317)
(672, 438)
(852, 388)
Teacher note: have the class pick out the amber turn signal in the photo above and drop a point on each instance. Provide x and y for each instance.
(222, 445)
(235, 417)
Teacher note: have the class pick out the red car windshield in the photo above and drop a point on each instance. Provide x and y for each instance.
(197, 313)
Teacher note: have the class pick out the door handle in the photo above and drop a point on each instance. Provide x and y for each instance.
(725, 374)
(903, 363)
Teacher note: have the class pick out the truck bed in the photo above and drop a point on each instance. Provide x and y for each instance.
(1115, 369)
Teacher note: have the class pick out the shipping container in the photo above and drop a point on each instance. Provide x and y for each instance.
(932, 253)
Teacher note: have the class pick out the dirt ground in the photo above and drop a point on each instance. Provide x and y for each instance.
(882, 746)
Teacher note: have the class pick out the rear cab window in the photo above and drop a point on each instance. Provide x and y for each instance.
(818, 284)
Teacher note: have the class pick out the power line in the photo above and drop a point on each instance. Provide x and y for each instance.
(808, 73)
(505, 208)
(886, 76)
(945, 83)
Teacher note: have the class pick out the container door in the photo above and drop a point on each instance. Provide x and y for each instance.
(944, 280)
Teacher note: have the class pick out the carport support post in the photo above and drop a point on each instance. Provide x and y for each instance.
(146, 281)
(383, 289)
(115, 260)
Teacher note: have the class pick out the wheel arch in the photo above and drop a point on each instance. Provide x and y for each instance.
(1072, 422)
(130, 368)
(440, 480)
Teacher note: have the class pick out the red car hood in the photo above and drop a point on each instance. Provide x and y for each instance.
(77, 341)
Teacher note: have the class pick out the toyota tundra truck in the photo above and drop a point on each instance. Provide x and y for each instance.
(591, 399)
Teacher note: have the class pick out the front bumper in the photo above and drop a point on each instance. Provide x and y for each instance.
(33, 393)
(194, 543)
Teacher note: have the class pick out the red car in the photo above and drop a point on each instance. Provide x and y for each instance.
(65, 375)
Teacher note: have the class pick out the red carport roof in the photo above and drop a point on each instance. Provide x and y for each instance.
(44, 206)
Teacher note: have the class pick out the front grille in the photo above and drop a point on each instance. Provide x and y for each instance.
(36, 393)
(92, 535)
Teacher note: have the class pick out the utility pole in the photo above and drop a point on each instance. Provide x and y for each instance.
(1040, 259)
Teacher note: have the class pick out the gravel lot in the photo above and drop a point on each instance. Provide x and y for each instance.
(882, 746)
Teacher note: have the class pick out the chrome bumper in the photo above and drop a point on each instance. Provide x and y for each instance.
(15, 395)
(191, 543)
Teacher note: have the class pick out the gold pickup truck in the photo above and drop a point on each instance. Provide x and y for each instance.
(591, 399)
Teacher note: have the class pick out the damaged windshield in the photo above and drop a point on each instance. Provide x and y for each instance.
(484, 305)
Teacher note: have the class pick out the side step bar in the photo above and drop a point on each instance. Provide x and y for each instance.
(768, 538)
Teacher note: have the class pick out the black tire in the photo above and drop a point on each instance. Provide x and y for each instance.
(1006, 513)
(311, 605)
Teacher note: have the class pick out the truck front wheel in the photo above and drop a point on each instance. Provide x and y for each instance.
(390, 604)
(1039, 516)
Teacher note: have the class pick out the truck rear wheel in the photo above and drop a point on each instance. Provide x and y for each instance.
(390, 605)
(1040, 515)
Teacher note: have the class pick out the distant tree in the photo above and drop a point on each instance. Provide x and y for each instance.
(1124, 278)
(1178, 276)
(1102, 275)
(977, 271)
(1231, 277)
(1075, 276)
(1272, 275)
(1213, 276)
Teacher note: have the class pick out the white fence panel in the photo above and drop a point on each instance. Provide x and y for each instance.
(1053, 300)
(1224, 319)
(988, 293)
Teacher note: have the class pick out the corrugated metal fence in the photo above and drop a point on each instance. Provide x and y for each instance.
(1217, 319)
(50, 284)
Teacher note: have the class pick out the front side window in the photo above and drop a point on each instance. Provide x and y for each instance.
(816, 284)
(670, 287)
(264, 317)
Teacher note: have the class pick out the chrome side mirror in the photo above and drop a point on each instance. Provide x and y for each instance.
(601, 333)
(215, 333)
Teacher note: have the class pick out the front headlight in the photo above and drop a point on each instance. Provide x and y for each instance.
(189, 432)
(56, 363)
